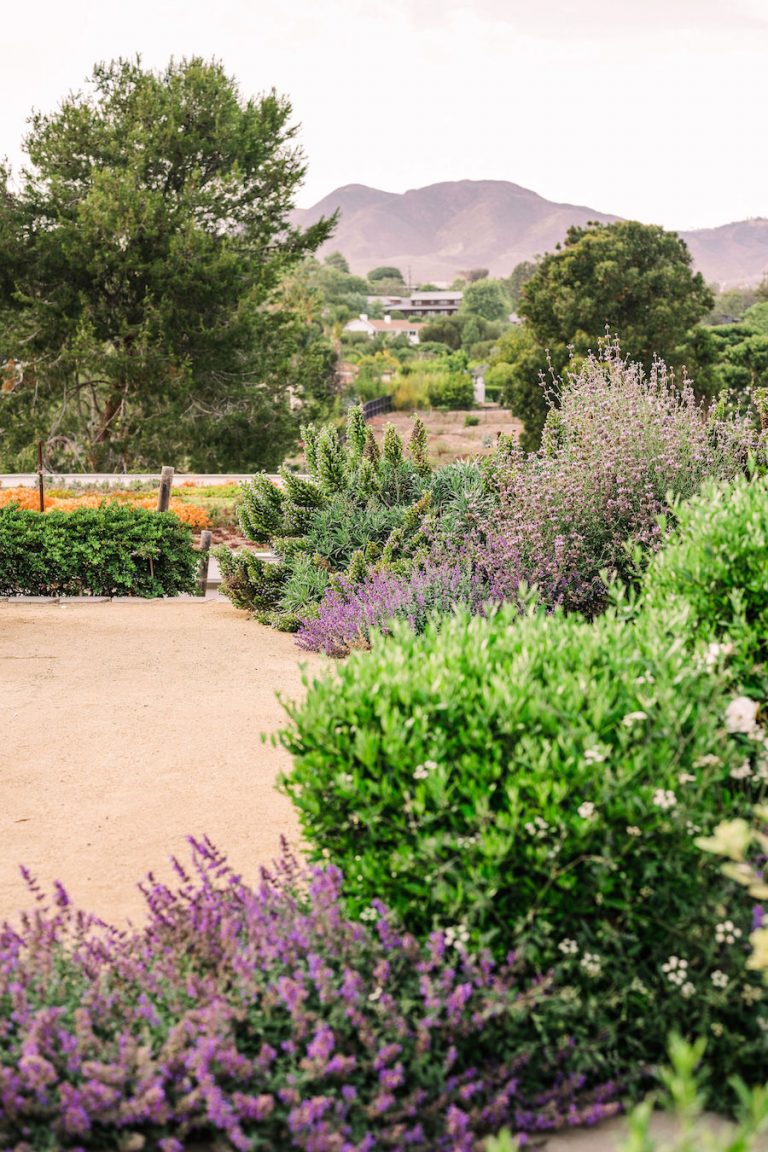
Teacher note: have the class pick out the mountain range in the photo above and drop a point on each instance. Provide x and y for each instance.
(433, 233)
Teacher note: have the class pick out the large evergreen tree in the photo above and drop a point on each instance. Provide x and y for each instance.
(142, 264)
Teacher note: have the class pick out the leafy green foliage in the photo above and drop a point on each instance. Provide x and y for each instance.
(537, 784)
(145, 259)
(109, 551)
(486, 298)
(450, 390)
(716, 567)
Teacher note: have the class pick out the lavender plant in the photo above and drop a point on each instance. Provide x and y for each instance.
(350, 611)
(266, 1017)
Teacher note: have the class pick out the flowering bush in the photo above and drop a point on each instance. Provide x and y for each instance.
(350, 611)
(619, 444)
(192, 514)
(538, 783)
(264, 1016)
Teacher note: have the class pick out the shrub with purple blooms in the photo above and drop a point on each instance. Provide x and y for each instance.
(614, 451)
(266, 1017)
(350, 611)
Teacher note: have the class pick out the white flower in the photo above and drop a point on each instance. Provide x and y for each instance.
(591, 964)
(568, 947)
(741, 715)
(688, 990)
(586, 810)
(376, 994)
(537, 827)
(633, 717)
(456, 936)
(743, 772)
(708, 761)
(595, 755)
(719, 979)
(676, 970)
(466, 841)
(715, 651)
(369, 913)
(727, 932)
(423, 770)
(691, 828)
(664, 799)
(685, 778)
(751, 994)
(633, 830)
(346, 779)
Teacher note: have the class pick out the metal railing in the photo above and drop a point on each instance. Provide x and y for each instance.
(376, 407)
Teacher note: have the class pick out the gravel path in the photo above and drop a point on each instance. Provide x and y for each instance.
(126, 726)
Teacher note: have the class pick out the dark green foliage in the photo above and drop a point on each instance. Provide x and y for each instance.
(344, 513)
(146, 258)
(109, 551)
(538, 782)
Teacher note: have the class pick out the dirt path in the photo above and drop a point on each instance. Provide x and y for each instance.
(125, 727)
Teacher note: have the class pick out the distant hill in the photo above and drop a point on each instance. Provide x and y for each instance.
(442, 229)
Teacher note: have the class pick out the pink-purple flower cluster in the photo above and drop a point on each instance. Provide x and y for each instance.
(266, 1016)
(349, 612)
(619, 445)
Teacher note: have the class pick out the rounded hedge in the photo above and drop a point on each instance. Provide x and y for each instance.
(538, 784)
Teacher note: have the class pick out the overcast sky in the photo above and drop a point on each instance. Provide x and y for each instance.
(652, 109)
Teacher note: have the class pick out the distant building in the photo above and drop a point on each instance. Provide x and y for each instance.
(424, 304)
(385, 327)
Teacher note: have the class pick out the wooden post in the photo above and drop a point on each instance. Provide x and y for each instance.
(166, 481)
(40, 481)
(205, 554)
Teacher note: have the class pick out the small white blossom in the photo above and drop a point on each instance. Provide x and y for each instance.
(537, 827)
(346, 779)
(376, 994)
(456, 936)
(422, 771)
(751, 994)
(591, 964)
(466, 841)
(743, 772)
(595, 755)
(688, 990)
(369, 913)
(691, 828)
(715, 651)
(664, 799)
(568, 947)
(633, 830)
(685, 778)
(719, 979)
(741, 715)
(586, 810)
(727, 932)
(676, 970)
(708, 761)
(633, 717)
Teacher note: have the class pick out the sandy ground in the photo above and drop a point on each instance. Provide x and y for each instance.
(449, 437)
(125, 727)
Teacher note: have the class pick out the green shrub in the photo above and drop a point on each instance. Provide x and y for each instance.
(716, 565)
(113, 550)
(537, 784)
(471, 421)
(351, 508)
(450, 390)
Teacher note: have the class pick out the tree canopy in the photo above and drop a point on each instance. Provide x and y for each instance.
(145, 258)
(633, 280)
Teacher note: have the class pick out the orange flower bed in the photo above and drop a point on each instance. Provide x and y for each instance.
(192, 514)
